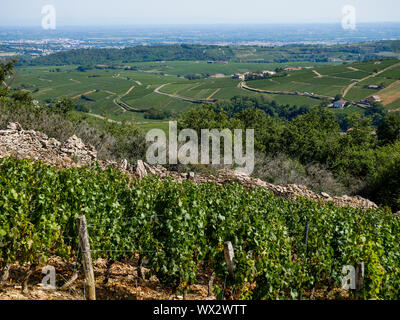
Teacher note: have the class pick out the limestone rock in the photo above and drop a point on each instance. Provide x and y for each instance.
(14, 141)
(124, 164)
(140, 169)
(14, 126)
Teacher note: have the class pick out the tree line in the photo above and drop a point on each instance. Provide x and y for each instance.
(361, 151)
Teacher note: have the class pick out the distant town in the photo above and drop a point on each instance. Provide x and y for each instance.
(43, 47)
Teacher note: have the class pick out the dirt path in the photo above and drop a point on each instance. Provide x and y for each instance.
(317, 73)
(213, 94)
(82, 94)
(76, 81)
(315, 96)
(128, 92)
(348, 88)
(303, 83)
(111, 94)
(123, 105)
(117, 100)
(44, 90)
(103, 118)
(353, 69)
(157, 90)
(41, 79)
(196, 86)
(126, 107)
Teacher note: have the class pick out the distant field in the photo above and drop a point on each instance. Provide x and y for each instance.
(192, 67)
(303, 81)
(386, 79)
(358, 93)
(392, 74)
(357, 75)
(376, 65)
(100, 90)
(100, 86)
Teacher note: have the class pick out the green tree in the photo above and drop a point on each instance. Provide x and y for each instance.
(338, 97)
(355, 155)
(6, 70)
(385, 187)
(22, 96)
(64, 105)
(267, 129)
(389, 130)
(204, 117)
(324, 103)
(312, 137)
(377, 112)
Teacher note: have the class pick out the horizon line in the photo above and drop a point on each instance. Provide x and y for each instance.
(193, 24)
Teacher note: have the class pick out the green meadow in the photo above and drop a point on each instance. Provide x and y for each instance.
(165, 86)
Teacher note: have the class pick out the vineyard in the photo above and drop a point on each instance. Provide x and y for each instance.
(181, 229)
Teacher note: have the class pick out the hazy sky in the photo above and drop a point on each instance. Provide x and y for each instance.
(132, 12)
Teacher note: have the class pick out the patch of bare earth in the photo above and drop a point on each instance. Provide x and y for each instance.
(123, 284)
(391, 93)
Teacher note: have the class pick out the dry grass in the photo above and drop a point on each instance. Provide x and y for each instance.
(391, 93)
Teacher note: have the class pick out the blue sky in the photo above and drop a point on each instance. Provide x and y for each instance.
(133, 12)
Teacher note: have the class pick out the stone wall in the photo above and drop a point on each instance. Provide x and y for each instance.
(22, 144)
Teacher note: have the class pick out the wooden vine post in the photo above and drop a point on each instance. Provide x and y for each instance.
(90, 284)
(359, 278)
(229, 253)
(305, 241)
(229, 256)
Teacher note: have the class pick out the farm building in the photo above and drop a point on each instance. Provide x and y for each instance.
(373, 86)
(218, 75)
(293, 69)
(370, 100)
(268, 73)
(239, 76)
(217, 62)
(339, 104)
(374, 99)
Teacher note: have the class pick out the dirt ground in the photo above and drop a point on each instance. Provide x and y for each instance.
(123, 284)
(391, 93)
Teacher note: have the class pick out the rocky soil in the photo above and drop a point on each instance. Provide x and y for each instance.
(123, 284)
